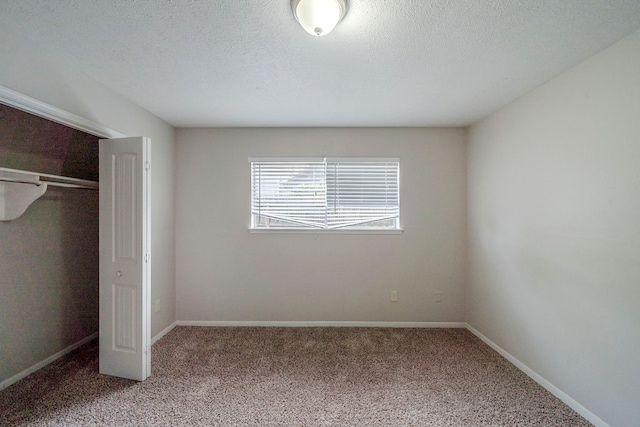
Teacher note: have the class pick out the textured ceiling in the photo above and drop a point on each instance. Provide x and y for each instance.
(388, 63)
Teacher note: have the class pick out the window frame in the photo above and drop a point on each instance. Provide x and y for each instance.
(312, 230)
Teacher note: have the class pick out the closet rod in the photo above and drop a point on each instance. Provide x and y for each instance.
(52, 180)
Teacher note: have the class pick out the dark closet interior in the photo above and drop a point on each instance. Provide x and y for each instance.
(49, 255)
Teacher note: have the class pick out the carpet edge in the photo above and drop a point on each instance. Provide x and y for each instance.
(20, 375)
(568, 400)
(163, 332)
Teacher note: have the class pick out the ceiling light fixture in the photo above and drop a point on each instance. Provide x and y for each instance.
(318, 17)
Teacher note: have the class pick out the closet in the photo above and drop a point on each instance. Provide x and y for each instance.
(49, 264)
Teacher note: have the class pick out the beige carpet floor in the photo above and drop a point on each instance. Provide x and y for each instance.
(292, 377)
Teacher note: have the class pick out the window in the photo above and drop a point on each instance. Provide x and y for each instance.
(325, 194)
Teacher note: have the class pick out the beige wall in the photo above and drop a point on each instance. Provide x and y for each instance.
(554, 231)
(27, 69)
(225, 273)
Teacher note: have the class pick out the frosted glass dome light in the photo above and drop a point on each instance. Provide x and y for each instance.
(318, 17)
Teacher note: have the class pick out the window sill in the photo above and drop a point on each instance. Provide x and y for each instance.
(320, 231)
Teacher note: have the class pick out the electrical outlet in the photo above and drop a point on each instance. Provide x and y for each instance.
(394, 296)
(438, 296)
(157, 305)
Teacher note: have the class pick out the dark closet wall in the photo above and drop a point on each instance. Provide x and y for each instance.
(32, 143)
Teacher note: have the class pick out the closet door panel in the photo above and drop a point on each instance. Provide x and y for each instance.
(124, 258)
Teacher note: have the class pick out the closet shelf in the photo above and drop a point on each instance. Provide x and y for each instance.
(19, 189)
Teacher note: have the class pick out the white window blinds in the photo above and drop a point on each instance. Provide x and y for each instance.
(325, 193)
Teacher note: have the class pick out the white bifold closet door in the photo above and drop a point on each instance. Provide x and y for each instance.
(125, 288)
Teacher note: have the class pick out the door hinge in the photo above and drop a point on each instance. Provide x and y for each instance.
(146, 349)
(147, 257)
(147, 166)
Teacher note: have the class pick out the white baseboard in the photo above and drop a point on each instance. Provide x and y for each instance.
(164, 332)
(584, 412)
(321, 324)
(14, 379)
